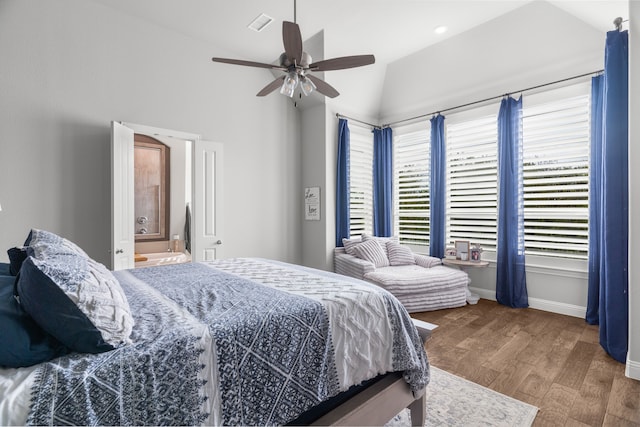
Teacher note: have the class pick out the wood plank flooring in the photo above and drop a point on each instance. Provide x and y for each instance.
(548, 360)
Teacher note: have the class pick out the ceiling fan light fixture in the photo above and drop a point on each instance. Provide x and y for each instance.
(290, 83)
(307, 86)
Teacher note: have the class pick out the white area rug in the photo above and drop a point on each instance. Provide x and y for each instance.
(454, 401)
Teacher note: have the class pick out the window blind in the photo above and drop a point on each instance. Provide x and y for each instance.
(361, 180)
(472, 181)
(411, 165)
(556, 138)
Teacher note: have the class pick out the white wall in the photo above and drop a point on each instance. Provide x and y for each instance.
(68, 68)
(314, 174)
(535, 44)
(320, 142)
(633, 358)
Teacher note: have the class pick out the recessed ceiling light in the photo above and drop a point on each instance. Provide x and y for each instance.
(441, 29)
(260, 23)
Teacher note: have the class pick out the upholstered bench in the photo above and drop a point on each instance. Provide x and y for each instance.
(420, 282)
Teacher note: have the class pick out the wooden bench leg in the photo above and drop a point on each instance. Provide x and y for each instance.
(417, 408)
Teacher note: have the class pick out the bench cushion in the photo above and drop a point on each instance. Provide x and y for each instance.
(423, 289)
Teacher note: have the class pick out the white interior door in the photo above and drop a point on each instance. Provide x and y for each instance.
(122, 197)
(206, 238)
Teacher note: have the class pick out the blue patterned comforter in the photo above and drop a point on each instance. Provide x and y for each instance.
(233, 342)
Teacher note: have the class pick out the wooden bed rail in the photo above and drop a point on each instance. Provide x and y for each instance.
(377, 404)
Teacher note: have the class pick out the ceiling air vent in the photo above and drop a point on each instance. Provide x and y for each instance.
(260, 23)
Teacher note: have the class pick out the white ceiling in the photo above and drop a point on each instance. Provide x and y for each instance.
(389, 29)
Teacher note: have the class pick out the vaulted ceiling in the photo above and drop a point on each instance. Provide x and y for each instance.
(389, 29)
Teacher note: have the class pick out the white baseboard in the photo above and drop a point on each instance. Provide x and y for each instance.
(539, 304)
(632, 370)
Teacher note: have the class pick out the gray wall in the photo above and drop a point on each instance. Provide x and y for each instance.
(70, 67)
(314, 174)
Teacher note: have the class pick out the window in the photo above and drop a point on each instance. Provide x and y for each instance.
(556, 139)
(472, 180)
(361, 180)
(556, 143)
(411, 164)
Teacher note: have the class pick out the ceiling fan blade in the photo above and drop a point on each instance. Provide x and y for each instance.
(247, 63)
(342, 63)
(271, 86)
(292, 40)
(323, 87)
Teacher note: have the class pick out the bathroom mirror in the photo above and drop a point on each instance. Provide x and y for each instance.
(152, 169)
(194, 194)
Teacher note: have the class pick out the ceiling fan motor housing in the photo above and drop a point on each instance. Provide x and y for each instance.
(305, 60)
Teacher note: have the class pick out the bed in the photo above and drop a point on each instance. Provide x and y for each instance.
(243, 341)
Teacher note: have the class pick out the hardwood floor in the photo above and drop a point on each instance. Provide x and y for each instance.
(548, 360)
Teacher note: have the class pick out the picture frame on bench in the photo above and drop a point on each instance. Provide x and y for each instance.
(463, 248)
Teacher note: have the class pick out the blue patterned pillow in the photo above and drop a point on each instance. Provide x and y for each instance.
(24, 343)
(71, 296)
(41, 243)
(53, 310)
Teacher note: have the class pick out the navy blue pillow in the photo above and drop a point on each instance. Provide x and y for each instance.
(28, 239)
(52, 309)
(16, 258)
(24, 343)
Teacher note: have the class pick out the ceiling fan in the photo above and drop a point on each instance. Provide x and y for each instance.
(297, 66)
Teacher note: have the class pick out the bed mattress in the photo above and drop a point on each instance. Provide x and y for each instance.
(239, 341)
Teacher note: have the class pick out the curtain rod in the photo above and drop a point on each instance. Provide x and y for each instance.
(491, 98)
(617, 23)
(342, 116)
(618, 26)
(338, 115)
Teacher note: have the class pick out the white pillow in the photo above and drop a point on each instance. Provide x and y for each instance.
(427, 261)
(371, 251)
(382, 240)
(399, 254)
(349, 244)
(103, 301)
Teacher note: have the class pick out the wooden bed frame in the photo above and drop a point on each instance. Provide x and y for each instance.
(381, 401)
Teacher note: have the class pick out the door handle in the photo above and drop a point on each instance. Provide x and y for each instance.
(219, 242)
(119, 251)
